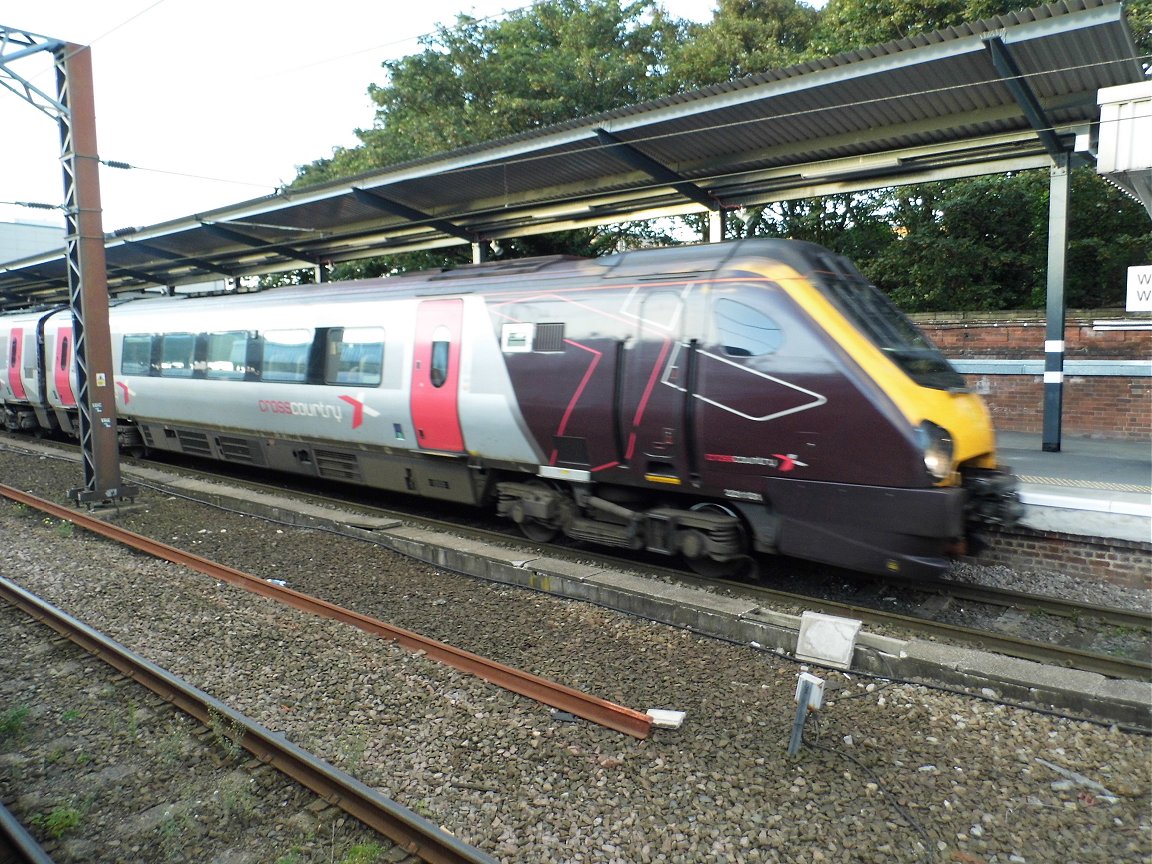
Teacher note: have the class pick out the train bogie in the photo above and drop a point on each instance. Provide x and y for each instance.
(712, 402)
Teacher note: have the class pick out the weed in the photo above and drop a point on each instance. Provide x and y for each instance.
(362, 853)
(228, 734)
(57, 823)
(12, 722)
(175, 746)
(353, 753)
(71, 714)
(172, 834)
(57, 754)
(237, 798)
(65, 529)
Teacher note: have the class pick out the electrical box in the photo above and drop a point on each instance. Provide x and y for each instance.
(1124, 154)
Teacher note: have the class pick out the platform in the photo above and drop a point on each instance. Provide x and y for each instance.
(1091, 487)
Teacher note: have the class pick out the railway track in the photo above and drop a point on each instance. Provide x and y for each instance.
(919, 612)
(715, 771)
(410, 831)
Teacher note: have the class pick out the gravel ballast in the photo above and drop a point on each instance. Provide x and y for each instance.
(890, 772)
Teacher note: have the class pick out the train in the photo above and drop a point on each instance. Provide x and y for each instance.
(720, 403)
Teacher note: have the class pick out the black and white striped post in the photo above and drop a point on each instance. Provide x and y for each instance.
(1059, 184)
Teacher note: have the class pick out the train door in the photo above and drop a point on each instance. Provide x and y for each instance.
(62, 367)
(15, 361)
(436, 375)
(652, 412)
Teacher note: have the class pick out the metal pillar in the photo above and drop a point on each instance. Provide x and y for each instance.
(481, 252)
(1058, 197)
(87, 279)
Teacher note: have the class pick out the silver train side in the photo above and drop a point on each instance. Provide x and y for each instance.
(721, 402)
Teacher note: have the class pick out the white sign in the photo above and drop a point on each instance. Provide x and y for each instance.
(1139, 289)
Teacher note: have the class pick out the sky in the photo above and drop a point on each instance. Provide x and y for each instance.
(213, 102)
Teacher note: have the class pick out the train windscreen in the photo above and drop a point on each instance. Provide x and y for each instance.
(876, 316)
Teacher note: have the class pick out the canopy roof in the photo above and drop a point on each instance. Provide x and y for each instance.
(1008, 93)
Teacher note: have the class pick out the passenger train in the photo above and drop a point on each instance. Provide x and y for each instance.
(719, 402)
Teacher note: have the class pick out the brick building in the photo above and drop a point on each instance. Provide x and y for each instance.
(1107, 368)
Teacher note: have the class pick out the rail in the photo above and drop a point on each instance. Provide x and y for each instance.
(591, 708)
(407, 829)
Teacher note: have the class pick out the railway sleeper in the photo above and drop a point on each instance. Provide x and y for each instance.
(665, 530)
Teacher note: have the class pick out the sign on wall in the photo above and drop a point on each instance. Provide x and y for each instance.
(1139, 289)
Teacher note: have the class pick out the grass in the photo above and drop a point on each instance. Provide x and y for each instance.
(58, 822)
(227, 734)
(12, 722)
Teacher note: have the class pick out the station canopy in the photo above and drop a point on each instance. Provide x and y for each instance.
(1005, 94)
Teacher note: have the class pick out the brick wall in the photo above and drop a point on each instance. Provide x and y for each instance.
(1101, 406)
(1118, 562)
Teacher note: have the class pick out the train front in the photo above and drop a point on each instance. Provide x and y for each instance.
(950, 425)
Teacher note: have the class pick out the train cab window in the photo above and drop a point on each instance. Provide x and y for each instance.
(441, 355)
(227, 355)
(136, 354)
(177, 355)
(354, 355)
(286, 356)
(744, 331)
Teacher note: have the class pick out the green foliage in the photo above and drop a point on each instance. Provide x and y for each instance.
(484, 79)
(12, 722)
(363, 853)
(743, 38)
(848, 24)
(976, 244)
(58, 822)
(228, 734)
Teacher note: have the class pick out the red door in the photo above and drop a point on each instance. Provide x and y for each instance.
(436, 375)
(15, 360)
(63, 364)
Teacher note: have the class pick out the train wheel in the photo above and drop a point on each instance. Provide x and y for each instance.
(534, 529)
(743, 566)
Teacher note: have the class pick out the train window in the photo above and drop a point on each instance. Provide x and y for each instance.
(136, 354)
(441, 355)
(354, 355)
(744, 331)
(874, 314)
(227, 355)
(286, 356)
(64, 355)
(177, 352)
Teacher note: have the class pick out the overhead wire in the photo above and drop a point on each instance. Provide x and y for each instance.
(512, 162)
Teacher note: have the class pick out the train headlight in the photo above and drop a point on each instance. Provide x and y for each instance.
(936, 445)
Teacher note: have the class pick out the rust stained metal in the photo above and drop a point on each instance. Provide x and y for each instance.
(407, 829)
(591, 708)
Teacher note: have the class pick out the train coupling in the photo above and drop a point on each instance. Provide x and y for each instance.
(992, 497)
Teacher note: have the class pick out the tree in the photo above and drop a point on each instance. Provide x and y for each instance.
(743, 38)
(849, 24)
(483, 80)
(976, 244)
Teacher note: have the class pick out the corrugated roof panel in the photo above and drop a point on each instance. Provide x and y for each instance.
(928, 99)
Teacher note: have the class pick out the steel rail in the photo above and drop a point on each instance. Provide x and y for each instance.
(1011, 646)
(1042, 652)
(591, 708)
(406, 828)
(1049, 605)
(16, 844)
